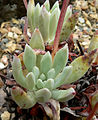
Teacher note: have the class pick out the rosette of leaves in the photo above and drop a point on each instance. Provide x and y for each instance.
(46, 20)
(44, 75)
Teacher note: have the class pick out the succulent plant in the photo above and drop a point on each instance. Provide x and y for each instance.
(41, 82)
(45, 75)
(46, 20)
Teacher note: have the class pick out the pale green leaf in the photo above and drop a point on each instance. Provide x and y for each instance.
(29, 58)
(60, 59)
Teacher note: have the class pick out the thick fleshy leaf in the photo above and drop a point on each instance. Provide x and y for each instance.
(40, 84)
(42, 77)
(63, 76)
(29, 58)
(46, 63)
(56, 5)
(23, 99)
(51, 74)
(53, 23)
(60, 59)
(30, 14)
(38, 60)
(37, 10)
(43, 95)
(80, 66)
(67, 28)
(36, 41)
(17, 72)
(68, 13)
(44, 20)
(94, 43)
(30, 81)
(36, 72)
(47, 5)
(63, 95)
(49, 84)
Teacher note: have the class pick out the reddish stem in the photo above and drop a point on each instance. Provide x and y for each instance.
(25, 31)
(25, 3)
(93, 112)
(59, 26)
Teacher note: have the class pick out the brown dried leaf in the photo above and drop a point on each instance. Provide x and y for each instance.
(3, 30)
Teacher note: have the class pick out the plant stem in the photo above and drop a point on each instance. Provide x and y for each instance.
(93, 112)
(25, 31)
(59, 26)
(25, 3)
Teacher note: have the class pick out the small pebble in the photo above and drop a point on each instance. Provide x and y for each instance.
(2, 66)
(81, 20)
(5, 115)
(5, 40)
(15, 36)
(10, 34)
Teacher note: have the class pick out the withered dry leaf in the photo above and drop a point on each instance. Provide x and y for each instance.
(1, 83)
(15, 21)
(88, 22)
(4, 23)
(3, 30)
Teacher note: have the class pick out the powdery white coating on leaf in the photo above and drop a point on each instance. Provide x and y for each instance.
(46, 63)
(36, 41)
(60, 59)
(62, 77)
(43, 95)
(63, 95)
(44, 20)
(30, 81)
(29, 58)
(23, 99)
(17, 72)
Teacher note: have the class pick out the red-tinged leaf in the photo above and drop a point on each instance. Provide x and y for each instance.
(77, 108)
(19, 110)
(35, 110)
(64, 87)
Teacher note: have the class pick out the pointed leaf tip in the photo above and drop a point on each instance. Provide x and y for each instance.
(37, 41)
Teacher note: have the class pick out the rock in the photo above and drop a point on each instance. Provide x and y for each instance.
(2, 96)
(81, 20)
(5, 115)
(84, 5)
(4, 60)
(15, 36)
(5, 40)
(2, 66)
(16, 30)
(10, 34)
